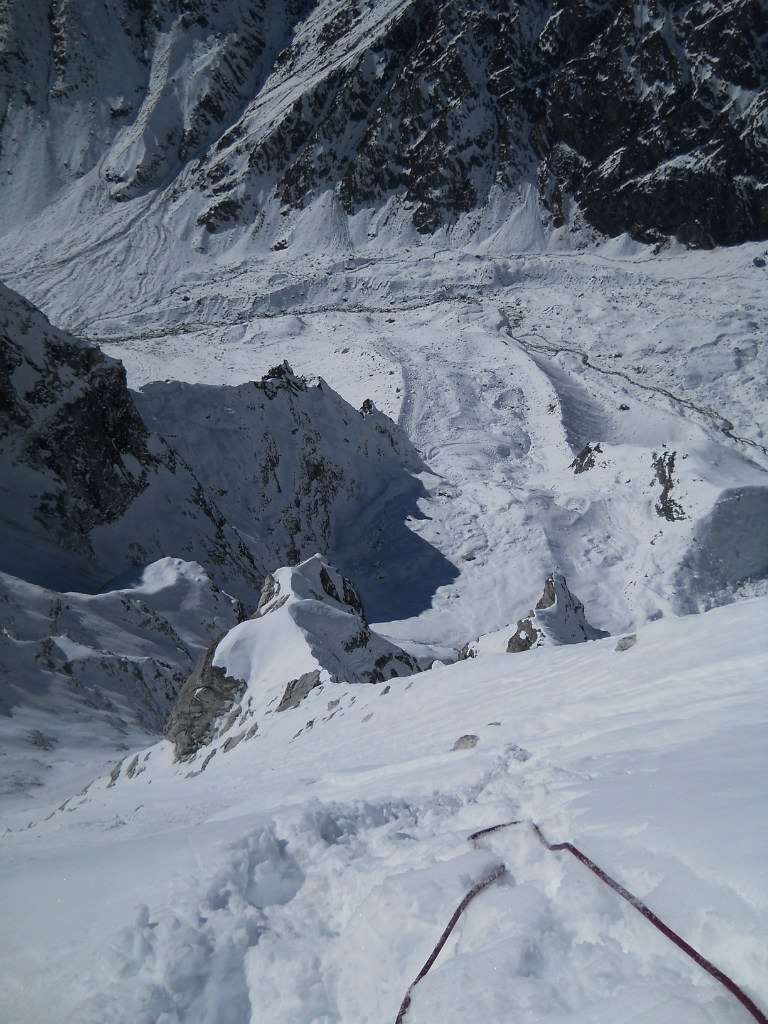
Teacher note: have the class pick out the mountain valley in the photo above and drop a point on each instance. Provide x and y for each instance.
(383, 458)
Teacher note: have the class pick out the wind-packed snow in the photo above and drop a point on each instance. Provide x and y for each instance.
(303, 874)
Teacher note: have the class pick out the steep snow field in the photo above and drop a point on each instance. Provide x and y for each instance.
(305, 875)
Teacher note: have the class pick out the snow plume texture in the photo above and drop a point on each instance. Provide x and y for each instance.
(383, 393)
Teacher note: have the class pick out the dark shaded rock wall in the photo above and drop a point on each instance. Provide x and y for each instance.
(66, 413)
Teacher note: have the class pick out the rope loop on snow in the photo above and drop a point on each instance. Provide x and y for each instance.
(633, 900)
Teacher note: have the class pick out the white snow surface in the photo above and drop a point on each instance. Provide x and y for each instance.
(304, 875)
(306, 878)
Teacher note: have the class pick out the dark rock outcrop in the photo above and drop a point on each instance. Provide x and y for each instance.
(525, 636)
(667, 507)
(204, 697)
(84, 479)
(67, 416)
(586, 458)
(298, 689)
(637, 121)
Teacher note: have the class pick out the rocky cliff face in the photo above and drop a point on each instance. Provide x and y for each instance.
(654, 117)
(75, 452)
(648, 117)
(97, 479)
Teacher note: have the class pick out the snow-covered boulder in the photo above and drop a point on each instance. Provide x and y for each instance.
(309, 630)
(558, 618)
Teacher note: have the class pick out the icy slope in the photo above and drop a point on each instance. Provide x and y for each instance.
(306, 877)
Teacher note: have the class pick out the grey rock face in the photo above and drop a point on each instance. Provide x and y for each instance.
(667, 507)
(298, 689)
(585, 460)
(206, 695)
(525, 637)
(626, 642)
(549, 597)
(85, 478)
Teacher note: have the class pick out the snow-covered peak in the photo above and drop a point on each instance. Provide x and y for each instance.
(312, 580)
(309, 631)
(559, 616)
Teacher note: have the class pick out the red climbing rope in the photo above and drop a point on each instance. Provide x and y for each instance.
(647, 913)
(638, 904)
(474, 891)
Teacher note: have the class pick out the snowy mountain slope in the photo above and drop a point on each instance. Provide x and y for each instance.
(344, 848)
(233, 117)
(86, 676)
(530, 374)
(473, 358)
(402, 200)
